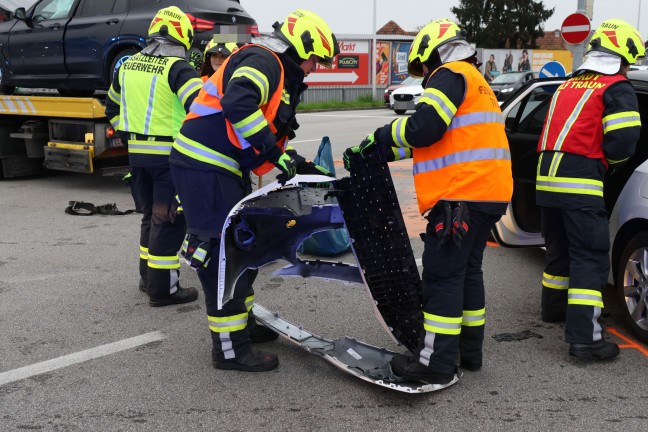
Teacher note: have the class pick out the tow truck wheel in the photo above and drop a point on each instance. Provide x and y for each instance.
(75, 93)
(5, 89)
(632, 284)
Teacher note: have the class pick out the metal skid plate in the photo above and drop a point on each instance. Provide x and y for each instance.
(367, 362)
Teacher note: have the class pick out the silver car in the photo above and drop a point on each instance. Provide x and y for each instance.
(626, 196)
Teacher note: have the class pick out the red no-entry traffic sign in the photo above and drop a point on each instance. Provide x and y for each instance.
(575, 28)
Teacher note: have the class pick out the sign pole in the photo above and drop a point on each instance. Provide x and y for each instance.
(579, 50)
(373, 54)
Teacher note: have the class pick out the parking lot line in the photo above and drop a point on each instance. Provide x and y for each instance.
(629, 343)
(78, 357)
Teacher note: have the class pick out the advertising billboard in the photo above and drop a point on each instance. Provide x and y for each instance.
(350, 67)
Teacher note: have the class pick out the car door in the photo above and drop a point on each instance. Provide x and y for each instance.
(88, 34)
(524, 117)
(36, 45)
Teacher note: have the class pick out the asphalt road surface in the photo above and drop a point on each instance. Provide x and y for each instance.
(81, 350)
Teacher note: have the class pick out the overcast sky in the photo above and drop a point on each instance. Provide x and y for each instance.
(356, 16)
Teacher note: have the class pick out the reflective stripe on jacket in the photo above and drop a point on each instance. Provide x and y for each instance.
(208, 102)
(575, 122)
(471, 162)
(148, 105)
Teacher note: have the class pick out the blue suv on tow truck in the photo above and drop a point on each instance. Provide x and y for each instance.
(75, 45)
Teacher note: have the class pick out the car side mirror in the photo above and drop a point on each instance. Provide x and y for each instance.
(21, 14)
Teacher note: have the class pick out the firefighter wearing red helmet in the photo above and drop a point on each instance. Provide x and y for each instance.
(592, 127)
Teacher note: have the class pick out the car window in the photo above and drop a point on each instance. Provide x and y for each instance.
(52, 9)
(134, 4)
(410, 80)
(529, 114)
(97, 7)
(510, 78)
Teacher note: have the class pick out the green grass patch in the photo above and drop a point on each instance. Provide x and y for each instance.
(365, 101)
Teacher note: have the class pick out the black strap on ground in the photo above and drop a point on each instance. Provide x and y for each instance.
(80, 208)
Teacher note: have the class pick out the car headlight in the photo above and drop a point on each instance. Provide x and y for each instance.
(507, 90)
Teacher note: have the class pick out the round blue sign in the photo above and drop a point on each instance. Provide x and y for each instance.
(552, 69)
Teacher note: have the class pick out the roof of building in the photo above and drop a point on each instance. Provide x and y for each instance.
(552, 40)
(391, 28)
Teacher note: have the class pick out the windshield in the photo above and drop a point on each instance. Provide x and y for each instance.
(410, 80)
(509, 78)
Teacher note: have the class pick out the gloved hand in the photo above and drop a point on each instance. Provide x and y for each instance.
(364, 146)
(196, 252)
(287, 166)
(196, 59)
(311, 168)
(306, 167)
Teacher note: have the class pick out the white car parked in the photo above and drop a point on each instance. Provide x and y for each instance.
(406, 97)
(625, 191)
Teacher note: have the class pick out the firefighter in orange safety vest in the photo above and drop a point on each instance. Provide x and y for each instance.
(240, 122)
(463, 182)
(592, 127)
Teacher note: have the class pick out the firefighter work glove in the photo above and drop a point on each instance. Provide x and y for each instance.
(450, 220)
(441, 219)
(305, 167)
(287, 166)
(311, 168)
(361, 149)
(460, 221)
(196, 252)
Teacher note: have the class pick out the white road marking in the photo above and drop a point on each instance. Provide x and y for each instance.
(319, 114)
(79, 357)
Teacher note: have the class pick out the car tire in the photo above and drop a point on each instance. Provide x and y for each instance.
(75, 93)
(400, 112)
(632, 272)
(121, 57)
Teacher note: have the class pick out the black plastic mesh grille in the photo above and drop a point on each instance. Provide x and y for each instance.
(381, 244)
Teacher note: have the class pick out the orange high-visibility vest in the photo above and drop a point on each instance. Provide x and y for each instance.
(208, 102)
(471, 162)
(573, 123)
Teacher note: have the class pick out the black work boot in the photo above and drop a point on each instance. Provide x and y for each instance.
(259, 333)
(183, 295)
(408, 367)
(599, 350)
(472, 366)
(252, 361)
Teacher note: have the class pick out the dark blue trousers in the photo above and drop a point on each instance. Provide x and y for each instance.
(162, 229)
(578, 244)
(452, 284)
(207, 198)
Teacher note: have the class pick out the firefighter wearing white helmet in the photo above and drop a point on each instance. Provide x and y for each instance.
(463, 181)
(592, 127)
(240, 123)
(147, 101)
